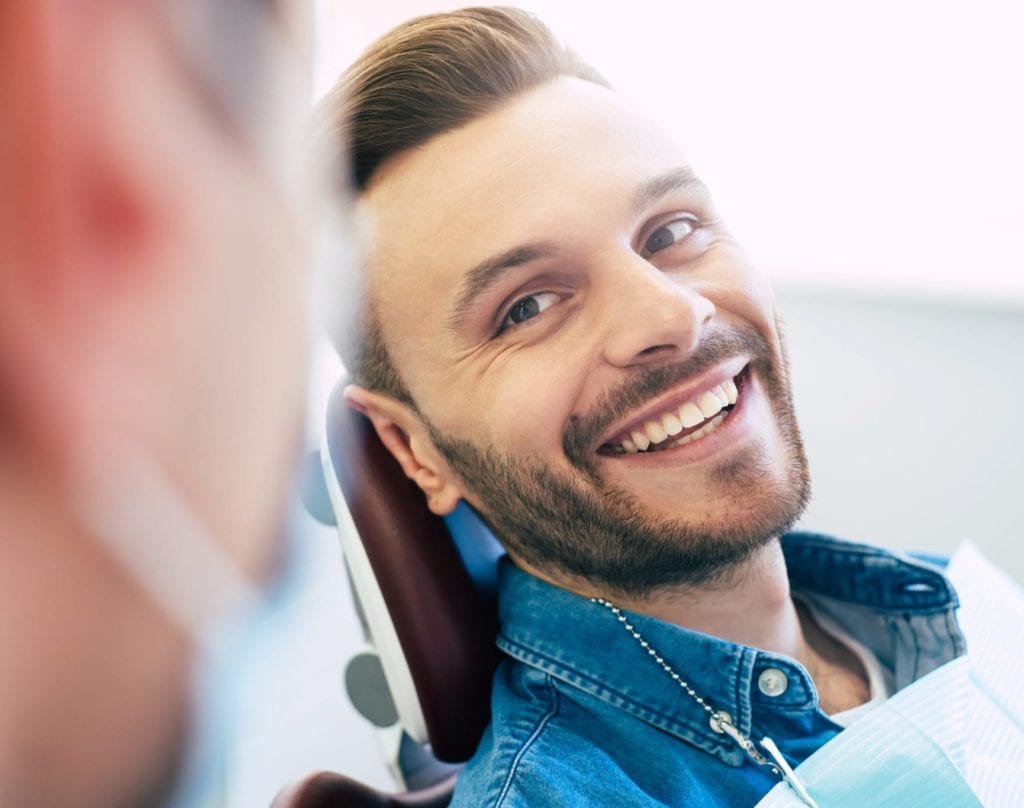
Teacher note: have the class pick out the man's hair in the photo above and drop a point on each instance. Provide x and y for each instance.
(429, 76)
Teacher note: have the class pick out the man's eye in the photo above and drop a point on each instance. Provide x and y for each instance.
(527, 308)
(667, 235)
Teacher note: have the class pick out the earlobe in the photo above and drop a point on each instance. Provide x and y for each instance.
(405, 437)
(442, 494)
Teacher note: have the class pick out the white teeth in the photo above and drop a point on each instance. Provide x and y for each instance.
(655, 431)
(709, 404)
(707, 429)
(690, 415)
(706, 407)
(640, 440)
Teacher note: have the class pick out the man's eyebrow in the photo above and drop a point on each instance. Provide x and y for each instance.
(489, 271)
(678, 179)
(485, 274)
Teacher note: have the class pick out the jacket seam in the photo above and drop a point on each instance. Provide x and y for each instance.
(528, 743)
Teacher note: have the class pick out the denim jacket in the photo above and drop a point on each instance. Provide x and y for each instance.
(583, 716)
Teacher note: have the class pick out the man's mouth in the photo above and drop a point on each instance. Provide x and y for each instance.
(681, 424)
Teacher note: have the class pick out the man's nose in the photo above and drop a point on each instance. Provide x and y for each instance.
(652, 316)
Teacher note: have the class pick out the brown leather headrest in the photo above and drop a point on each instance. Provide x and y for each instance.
(445, 626)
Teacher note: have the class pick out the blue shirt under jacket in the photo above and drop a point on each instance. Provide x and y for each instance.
(582, 716)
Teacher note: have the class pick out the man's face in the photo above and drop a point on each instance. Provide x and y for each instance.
(591, 352)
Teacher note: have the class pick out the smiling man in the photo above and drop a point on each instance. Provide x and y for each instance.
(559, 329)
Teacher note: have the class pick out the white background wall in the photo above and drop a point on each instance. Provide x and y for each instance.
(869, 156)
(911, 415)
(870, 143)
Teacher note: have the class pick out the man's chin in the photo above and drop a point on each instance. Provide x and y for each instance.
(625, 549)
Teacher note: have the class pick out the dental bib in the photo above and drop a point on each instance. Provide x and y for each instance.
(954, 738)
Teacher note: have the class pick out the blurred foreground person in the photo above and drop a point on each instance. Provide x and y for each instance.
(152, 368)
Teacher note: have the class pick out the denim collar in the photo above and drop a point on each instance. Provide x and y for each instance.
(896, 603)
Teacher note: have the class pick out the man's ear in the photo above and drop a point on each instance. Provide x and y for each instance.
(403, 433)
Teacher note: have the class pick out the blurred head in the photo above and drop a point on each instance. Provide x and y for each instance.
(556, 325)
(152, 305)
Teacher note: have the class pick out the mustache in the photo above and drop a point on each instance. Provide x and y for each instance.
(646, 383)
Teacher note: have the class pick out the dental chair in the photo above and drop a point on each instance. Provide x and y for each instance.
(425, 592)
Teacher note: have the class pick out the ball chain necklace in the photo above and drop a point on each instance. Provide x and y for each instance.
(720, 720)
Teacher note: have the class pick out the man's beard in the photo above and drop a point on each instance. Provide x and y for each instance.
(581, 527)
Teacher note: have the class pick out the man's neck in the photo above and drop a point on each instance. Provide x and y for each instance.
(751, 605)
(748, 605)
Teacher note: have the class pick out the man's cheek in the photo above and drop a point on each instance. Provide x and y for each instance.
(528, 420)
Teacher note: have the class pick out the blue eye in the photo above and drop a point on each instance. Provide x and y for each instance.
(668, 234)
(527, 308)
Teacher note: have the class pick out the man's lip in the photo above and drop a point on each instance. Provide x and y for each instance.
(675, 398)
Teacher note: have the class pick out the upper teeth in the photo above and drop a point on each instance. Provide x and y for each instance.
(670, 423)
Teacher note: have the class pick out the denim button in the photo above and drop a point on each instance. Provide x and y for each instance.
(720, 717)
(772, 682)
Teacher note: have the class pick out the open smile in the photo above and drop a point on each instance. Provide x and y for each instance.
(679, 423)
